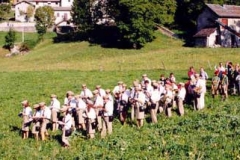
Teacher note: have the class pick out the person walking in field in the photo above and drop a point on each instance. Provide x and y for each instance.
(180, 98)
(26, 114)
(107, 117)
(66, 126)
(224, 86)
(36, 121)
(215, 85)
(90, 117)
(154, 102)
(55, 107)
(139, 104)
(98, 105)
(45, 117)
(80, 108)
(86, 94)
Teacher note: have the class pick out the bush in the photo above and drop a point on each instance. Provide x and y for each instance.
(10, 39)
(24, 47)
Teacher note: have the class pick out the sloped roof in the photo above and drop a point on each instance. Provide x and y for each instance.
(225, 10)
(204, 32)
(25, 2)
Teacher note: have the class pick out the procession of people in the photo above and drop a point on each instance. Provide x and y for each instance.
(94, 111)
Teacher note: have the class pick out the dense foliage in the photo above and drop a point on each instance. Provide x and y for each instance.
(44, 19)
(4, 10)
(10, 39)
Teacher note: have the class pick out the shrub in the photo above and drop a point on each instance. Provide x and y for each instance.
(10, 39)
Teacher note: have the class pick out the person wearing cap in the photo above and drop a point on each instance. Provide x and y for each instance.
(36, 120)
(66, 125)
(98, 105)
(101, 91)
(108, 93)
(80, 107)
(154, 99)
(86, 93)
(117, 89)
(132, 98)
(90, 116)
(71, 104)
(26, 115)
(122, 105)
(107, 117)
(199, 92)
(55, 107)
(168, 100)
(224, 83)
(215, 85)
(140, 106)
(180, 98)
(45, 116)
(162, 91)
(144, 78)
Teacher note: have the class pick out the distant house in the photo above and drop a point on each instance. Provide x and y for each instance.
(218, 26)
(62, 9)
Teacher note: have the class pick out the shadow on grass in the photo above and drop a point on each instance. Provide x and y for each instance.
(105, 36)
(15, 129)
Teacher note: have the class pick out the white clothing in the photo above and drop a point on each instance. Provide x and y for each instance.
(108, 109)
(99, 101)
(67, 122)
(102, 92)
(55, 105)
(46, 113)
(117, 89)
(86, 93)
(91, 114)
(27, 111)
(182, 93)
(155, 97)
(81, 104)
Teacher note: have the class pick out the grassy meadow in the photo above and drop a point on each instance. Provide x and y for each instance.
(213, 133)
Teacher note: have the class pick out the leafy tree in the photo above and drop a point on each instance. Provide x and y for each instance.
(44, 19)
(136, 22)
(165, 11)
(10, 39)
(29, 12)
(81, 15)
(4, 10)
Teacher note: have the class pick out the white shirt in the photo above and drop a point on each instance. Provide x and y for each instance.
(155, 97)
(182, 93)
(117, 89)
(46, 113)
(86, 93)
(55, 105)
(91, 113)
(124, 97)
(108, 109)
(201, 84)
(37, 114)
(81, 104)
(98, 101)
(169, 95)
(140, 97)
(27, 111)
(68, 122)
(102, 92)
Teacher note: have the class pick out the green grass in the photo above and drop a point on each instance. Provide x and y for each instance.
(212, 133)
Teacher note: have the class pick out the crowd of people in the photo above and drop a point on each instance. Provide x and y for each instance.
(94, 111)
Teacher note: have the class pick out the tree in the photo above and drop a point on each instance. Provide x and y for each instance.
(10, 39)
(44, 19)
(29, 12)
(4, 10)
(136, 22)
(165, 11)
(81, 15)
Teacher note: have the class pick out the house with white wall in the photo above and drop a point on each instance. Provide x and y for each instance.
(62, 9)
(218, 25)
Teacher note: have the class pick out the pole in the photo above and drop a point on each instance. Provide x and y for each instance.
(23, 34)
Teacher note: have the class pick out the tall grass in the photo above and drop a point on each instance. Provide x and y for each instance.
(212, 133)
